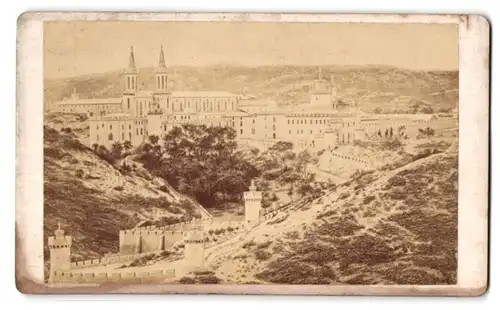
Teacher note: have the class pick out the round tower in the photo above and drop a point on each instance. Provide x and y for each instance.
(253, 204)
(194, 248)
(60, 252)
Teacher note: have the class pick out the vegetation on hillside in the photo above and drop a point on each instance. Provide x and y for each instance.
(80, 193)
(397, 229)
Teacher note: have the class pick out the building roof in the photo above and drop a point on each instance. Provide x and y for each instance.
(202, 94)
(92, 101)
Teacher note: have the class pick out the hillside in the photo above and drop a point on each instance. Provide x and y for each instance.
(371, 86)
(393, 226)
(93, 200)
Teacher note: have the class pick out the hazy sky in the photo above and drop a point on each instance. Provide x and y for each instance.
(75, 48)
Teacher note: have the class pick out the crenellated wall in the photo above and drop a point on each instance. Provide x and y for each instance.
(152, 238)
(72, 277)
(112, 259)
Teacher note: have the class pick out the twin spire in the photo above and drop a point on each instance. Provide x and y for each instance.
(131, 60)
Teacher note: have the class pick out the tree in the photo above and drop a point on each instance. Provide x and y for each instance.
(377, 110)
(153, 139)
(428, 132)
(127, 145)
(116, 149)
(94, 147)
(201, 162)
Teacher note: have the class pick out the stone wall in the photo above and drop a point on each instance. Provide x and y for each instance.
(72, 277)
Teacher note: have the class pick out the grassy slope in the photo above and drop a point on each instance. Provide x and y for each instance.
(396, 226)
(373, 86)
(92, 208)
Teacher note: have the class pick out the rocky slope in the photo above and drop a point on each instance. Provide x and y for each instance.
(93, 200)
(391, 226)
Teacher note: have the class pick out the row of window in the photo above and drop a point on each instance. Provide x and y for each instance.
(304, 122)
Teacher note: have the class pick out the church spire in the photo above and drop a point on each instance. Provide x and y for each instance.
(161, 63)
(131, 60)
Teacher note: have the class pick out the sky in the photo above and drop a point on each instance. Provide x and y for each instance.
(74, 48)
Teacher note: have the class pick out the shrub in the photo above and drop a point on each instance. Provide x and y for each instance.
(264, 245)
(248, 244)
(344, 195)
(368, 199)
(186, 280)
(79, 173)
(208, 279)
(262, 254)
(118, 188)
(163, 188)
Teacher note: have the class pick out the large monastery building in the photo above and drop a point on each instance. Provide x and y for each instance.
(319, 123)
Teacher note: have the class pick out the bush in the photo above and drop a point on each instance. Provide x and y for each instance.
(368, 199)
(79, 173)
(164, 188)
(208, 279)
(262, 255)
(186, 280)
(118, 188)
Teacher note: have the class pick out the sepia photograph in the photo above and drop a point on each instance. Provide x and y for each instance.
(250, 153)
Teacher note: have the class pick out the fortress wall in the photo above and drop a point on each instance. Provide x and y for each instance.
(113, 259)
(61, 277)
(128, 241)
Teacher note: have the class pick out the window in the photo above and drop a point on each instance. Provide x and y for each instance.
(289, 132)
(141, 131)
(110, 136)
(241, 131)
(288, 121)
(97, 126)
(123, 136)
(102, 125)
(110, 126)
(128, 103)
(97, 137)
(129, 126)
(311, 122)
(274, 119)
(122, 126)
(292, 121)
(130, 136)
(253, 131)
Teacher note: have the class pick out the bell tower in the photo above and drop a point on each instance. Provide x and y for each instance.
(131, 75)
(60, 252)
(130, 89)
(161, 74)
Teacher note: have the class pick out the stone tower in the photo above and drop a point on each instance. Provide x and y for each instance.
(194, 249)
(320, 93)
(130, 88)
(161, 74)
(253, 204)
(60, 252)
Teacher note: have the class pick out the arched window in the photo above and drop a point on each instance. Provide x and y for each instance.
(128, 103)
(110, 136)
